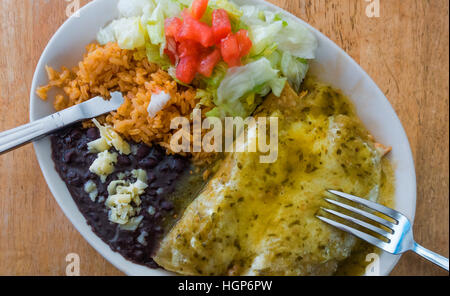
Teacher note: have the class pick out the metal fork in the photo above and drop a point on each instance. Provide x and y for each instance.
(396, 240)
(35, 130)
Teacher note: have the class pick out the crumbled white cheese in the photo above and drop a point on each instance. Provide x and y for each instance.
(109, 138)
(151, 210)
(121, 176)
(141, 238)
(157, 103)
(134, 149)
(140, 175)
(121, 196)
(104, 164)
(133, 224)
(113, 185)
(98, 146)
(91, 188)
(120, 208)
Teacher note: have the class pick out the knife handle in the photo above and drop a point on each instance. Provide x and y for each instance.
(27, 133)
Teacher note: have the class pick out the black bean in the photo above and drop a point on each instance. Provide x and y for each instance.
(72, 161)
(160, 191)
(81, 145)
(138, 254)
(123, 160)
(128, 240)
(74, 178)
(176, 164)
(76, 134)
(148, 163)
(94, 217)
(93, 133)
(164, 168)
(71, 174)
(69, 156)
(90, 176)
(142, 151)
(68, 140)
(151, 192)
(150, 177)
(167, 205)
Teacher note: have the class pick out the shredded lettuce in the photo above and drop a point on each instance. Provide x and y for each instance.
(251, 15)
(277, 85)
(287, 45)
(213, 82)
(154, 56)
(141, 24)
(154, 22)
(280, 53)
(154, 16)
(127, 32)
(206, 98)
(294, 69)
(131, 8)
(263, 37)
(234, 12)
(255, 78)
(298, 41)
(107, 34)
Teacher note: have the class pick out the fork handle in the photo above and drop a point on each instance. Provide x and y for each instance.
(24, 134)
(431, 256)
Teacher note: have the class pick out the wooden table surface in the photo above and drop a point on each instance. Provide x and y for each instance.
(405, 50)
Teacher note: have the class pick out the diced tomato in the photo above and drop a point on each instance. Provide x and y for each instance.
(187, 68)
(171, 56)
(208, 62)
(172, 26)
(195, 30)
(171, 50)
(221, 24)
(189, 47)
(171, 45)
(245, 44)
(198, 8)
(185, 13)
(229, 48)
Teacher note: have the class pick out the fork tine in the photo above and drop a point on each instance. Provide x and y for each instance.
(368, 215)
(364, 236)
(374, 206)
(380, 231)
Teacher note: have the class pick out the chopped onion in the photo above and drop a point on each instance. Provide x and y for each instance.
(157, 103)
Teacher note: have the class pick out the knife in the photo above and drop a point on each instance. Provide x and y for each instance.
(38, 129)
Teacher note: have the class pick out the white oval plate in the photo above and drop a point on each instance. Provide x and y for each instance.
(332, 65)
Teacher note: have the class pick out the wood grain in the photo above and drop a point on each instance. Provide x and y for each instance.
(405, 51)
